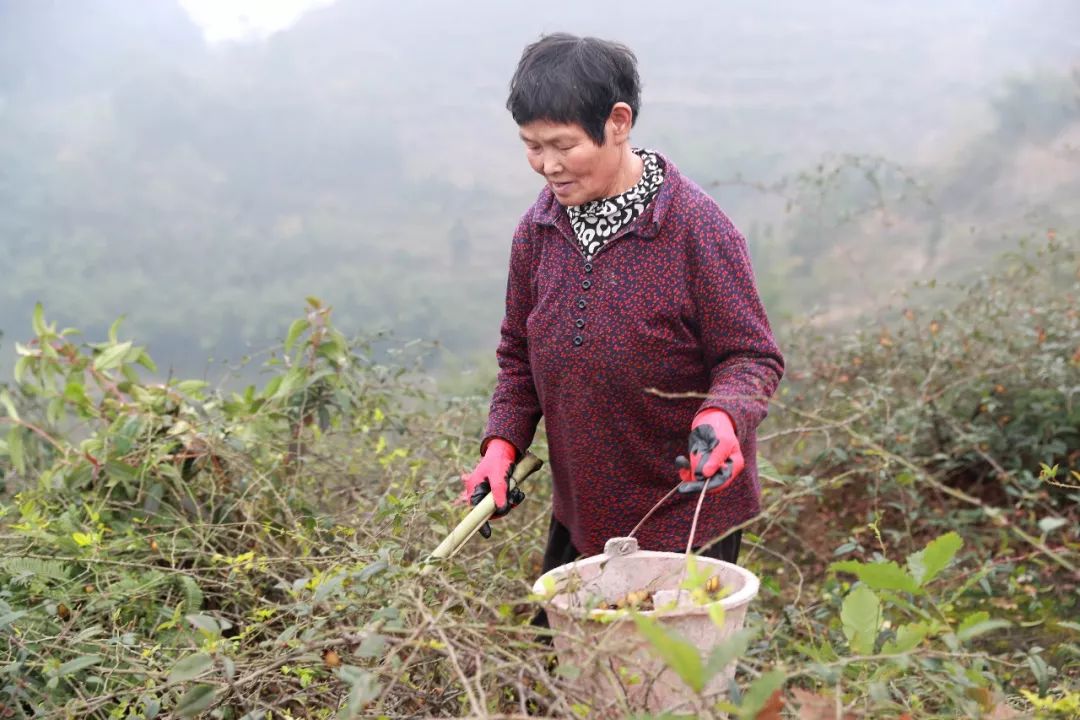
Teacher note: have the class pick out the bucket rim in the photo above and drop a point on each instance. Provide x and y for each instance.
(742, 596)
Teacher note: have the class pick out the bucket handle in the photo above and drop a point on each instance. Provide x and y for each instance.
(623, 546)
(693, 525)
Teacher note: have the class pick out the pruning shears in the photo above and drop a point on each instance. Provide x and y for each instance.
(484, 508)
(702, 441)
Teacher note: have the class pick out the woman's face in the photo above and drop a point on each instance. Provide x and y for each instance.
(576, 169)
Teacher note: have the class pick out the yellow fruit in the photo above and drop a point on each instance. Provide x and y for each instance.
(331, 658)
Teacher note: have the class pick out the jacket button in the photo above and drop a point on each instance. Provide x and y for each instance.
(578, 340)
(581, 303)
(586, 284)
(588, 267)
(579, 323)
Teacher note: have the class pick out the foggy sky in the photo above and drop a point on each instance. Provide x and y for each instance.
(365, 155)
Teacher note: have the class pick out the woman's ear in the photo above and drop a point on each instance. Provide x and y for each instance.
(620, 121)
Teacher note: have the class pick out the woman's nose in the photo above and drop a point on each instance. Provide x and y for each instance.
(551, 165)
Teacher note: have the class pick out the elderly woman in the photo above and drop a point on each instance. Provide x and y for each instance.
(633, 324)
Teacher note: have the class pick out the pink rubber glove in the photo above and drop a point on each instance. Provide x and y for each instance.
(495, 468)
(727, 446)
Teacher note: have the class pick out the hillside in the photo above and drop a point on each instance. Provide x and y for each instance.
(364, 156)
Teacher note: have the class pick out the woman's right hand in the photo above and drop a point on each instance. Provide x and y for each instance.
(494, 468)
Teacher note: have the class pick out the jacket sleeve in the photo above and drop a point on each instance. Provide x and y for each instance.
(738, 344)
(515, 407)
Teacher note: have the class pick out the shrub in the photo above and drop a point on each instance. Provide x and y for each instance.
(174, 548)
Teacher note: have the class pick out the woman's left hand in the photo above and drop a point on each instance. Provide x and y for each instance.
(711, 461)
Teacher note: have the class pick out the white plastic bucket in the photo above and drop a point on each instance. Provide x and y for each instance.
(614, 665)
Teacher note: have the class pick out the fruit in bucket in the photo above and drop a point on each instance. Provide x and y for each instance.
(645, 600)
(637, 599)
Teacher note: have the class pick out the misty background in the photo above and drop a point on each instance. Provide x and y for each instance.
(202, 184)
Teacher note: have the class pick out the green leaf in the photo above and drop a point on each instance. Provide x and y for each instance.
(568, 671)
(11, 617)
(191, 667)
(54, 410)
(677, 653)
(193, 594)
(908, 638)
(295, 330)
(290, 381)
(879, 575)
(189, 387)
(51, 569)
(727, 652)
(195, 700)
(9, 405)
(716, 614)
(823, 653)
(372, 646)
(146, 361)
(82, 539)
(931, 560)
(20, 368)
(38, 320)
(1050, 524)
(377, 567)
(329, 587)
(80, 663)
(1041, 671)
(968, 631)
(111, 356)
(272, 386)
(205, 624)
(15, 449)
(363, 689)
(768, 470)
(972, 619)
(76, 393)
(129, 373)
(151, 707)
(861, 616)
(114, 328)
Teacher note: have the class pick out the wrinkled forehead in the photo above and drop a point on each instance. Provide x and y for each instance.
(546, 131)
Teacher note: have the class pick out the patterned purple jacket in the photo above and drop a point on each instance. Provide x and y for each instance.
(668, 305)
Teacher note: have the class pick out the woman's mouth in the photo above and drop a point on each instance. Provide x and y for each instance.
(560, 188)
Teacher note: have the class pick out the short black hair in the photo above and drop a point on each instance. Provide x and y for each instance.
(568, 79)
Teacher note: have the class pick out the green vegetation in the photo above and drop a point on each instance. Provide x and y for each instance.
(170, 549)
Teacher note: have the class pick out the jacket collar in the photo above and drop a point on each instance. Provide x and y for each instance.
(549, 211)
